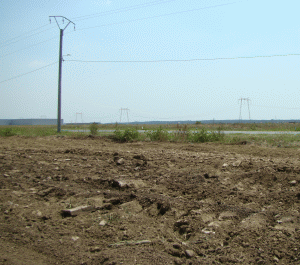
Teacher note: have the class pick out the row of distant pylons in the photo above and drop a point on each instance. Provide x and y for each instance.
(125, 111)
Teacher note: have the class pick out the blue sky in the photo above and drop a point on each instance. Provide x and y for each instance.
(149, 30)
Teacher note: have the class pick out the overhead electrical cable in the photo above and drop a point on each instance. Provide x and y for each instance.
(124, 9)
(189, 60)
(27, 72)
(160, 61)
(129, 8)
(157, 16)
(25, 37)
(28, 47)
(24, 34)
(118, 23)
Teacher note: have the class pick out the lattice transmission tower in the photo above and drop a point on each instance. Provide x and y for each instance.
(126, 110)
(79, 114)
(241, 104)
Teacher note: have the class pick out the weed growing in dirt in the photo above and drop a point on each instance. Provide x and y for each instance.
(93, 128)
(112, 218)
(182, 134)
(159, 135)
(69, 205)
(128, 135)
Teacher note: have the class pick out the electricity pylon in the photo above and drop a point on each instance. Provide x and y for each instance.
(79, 113)
(60, 66)
(244, 99)
(127, 114)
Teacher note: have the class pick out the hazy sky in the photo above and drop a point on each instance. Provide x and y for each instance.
(163, 32)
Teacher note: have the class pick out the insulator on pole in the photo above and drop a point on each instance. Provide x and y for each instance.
(50, 20)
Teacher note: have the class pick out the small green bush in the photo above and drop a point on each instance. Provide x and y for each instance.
(200, 136)
(217, 136)
(128, 135)
(203, 136)
(93, 128)
(158, 135)
(182, 134)
(7, 132)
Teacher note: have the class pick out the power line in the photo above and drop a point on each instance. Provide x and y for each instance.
(124, 9)
(85, 17)
(24, 34)
(158, 16)
(118, 23)
(27, 73)
(28, 47)
(159, 61)
(189, 60)
(25, 37)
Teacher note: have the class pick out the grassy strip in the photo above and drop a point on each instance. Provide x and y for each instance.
(32, 131)
(159, 133)
(198, 126)
(278, 140)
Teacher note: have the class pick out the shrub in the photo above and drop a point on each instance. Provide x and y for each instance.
(93, 128)
(203, 136)
(182, 134)
(217, 136)
(7, 132)
(128, 135)
(200, 136)
(158, 135)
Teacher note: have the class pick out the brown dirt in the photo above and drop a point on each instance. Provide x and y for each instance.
(149, 203)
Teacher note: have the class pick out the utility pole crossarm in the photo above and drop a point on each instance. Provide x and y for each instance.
(63, 18)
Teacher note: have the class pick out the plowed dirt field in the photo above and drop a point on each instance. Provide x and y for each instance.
(94, 201)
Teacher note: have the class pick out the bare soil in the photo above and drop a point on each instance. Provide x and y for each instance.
(147, 203)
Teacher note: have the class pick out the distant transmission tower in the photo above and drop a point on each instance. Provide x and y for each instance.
(126, 110)
(80, 114)
(244, 99)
